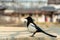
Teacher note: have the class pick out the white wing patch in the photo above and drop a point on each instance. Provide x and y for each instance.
(32, 28)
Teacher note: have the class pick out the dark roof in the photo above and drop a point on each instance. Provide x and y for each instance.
(44, 8)
(48, 8)
(58, 11)
(2, 7)
(23, 10)
(32, 10)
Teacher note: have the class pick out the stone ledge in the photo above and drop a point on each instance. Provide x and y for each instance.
(31, 38)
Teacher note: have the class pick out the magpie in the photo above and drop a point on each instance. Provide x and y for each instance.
(32, 27)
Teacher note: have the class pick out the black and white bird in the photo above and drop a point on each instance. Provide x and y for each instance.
(32, 27)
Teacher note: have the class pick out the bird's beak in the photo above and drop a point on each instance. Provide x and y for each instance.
(25, 20)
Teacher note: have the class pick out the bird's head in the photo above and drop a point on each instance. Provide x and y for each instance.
(25, 20)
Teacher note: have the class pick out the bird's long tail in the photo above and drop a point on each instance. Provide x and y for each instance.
(49, 34)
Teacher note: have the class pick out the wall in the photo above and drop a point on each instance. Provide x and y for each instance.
(41, 18)
(54, 18)
(8, 19)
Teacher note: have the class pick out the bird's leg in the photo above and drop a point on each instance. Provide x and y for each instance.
(33, 34)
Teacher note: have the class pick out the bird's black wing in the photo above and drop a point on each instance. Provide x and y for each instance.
(40, 30)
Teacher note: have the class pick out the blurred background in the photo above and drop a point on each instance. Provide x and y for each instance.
(46, 14)
(42, 11)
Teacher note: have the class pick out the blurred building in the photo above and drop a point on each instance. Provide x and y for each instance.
(56, 4)
(41, 10)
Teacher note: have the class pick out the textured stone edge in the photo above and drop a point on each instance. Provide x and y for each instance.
(31, 38)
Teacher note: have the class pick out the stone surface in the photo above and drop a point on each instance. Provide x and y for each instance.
(21, 33)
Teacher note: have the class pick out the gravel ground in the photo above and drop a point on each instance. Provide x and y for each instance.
(19, 32)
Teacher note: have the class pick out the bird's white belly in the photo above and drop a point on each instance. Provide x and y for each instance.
(32, 28)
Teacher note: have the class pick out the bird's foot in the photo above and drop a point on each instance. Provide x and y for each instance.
(31, 36)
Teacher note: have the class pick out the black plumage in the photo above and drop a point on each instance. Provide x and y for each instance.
(38, 29)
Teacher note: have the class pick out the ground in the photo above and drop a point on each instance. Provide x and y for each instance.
(19, 32)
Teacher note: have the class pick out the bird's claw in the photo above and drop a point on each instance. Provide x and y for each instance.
(31, 36)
